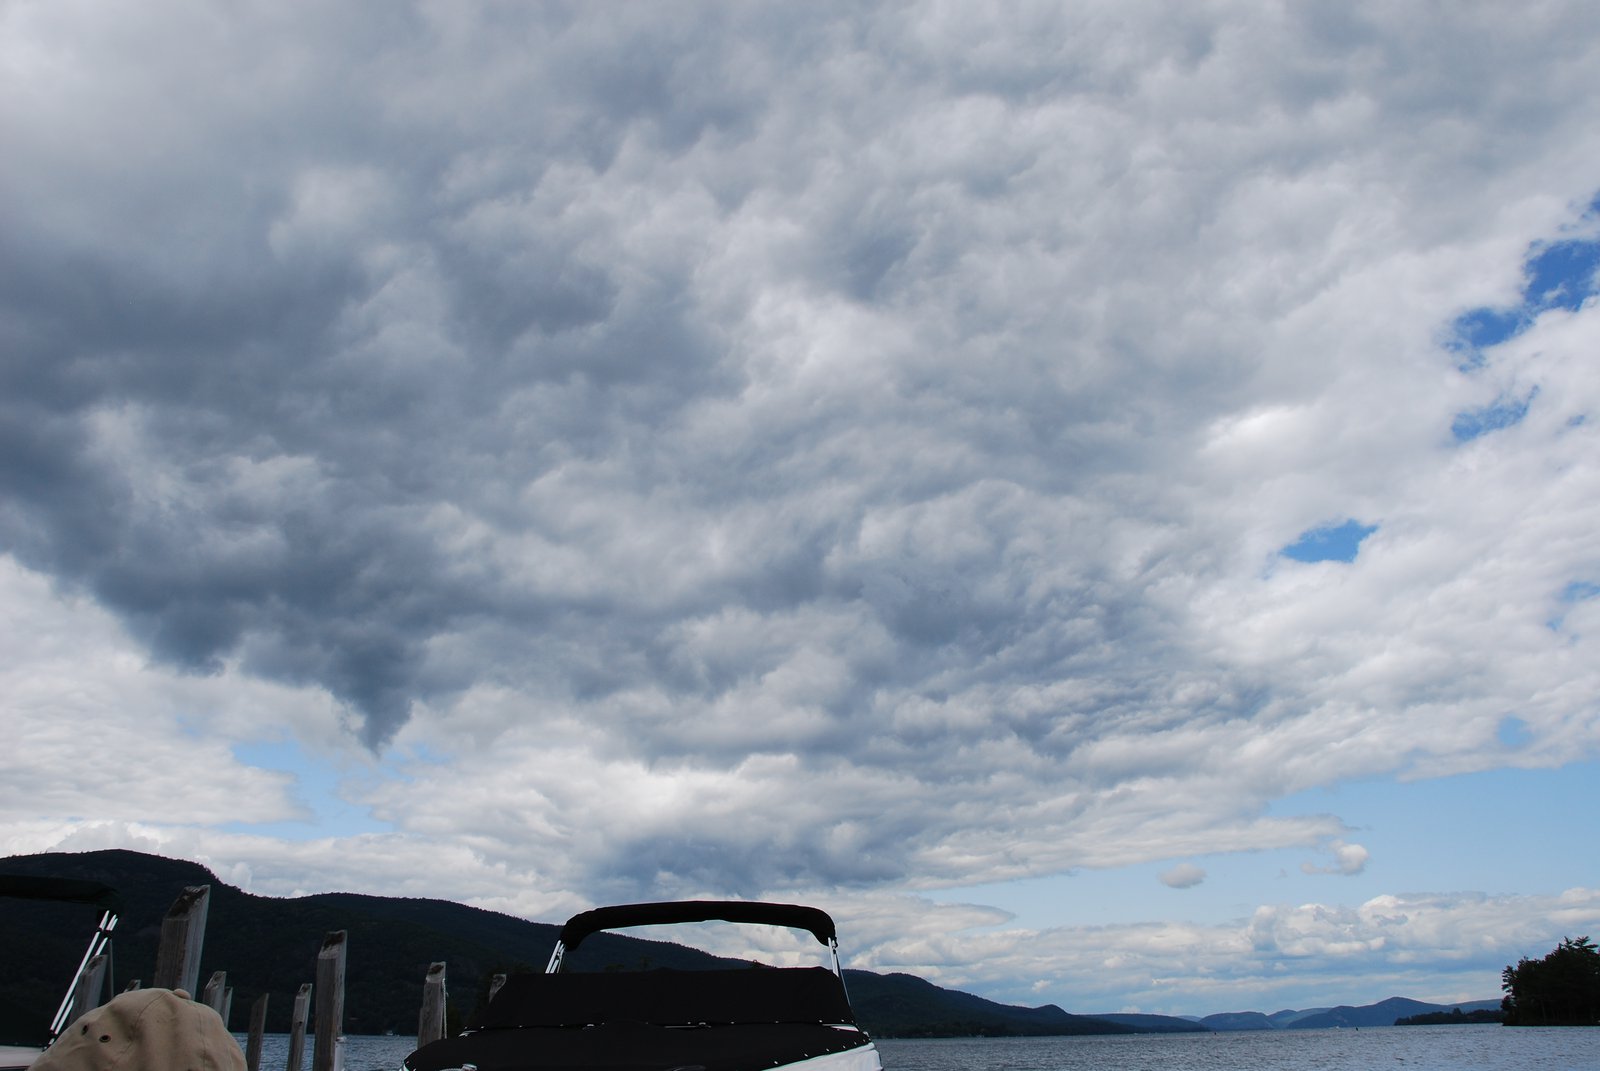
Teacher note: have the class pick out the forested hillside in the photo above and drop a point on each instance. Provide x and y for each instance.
(269, 945)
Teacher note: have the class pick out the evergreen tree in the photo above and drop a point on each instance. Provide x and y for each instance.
(1562, 989)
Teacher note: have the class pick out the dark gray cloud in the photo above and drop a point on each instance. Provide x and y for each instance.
(758, 399)
(229, 416)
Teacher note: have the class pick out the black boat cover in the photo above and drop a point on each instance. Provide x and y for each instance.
(68, 890)
(752, 911)
(733, 1020)
(671, 998)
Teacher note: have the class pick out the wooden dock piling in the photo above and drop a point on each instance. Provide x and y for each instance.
(328, 1052)
(297, 1029)
(258, 1031)
(183, 934)
(430, 1024)
(216, 993)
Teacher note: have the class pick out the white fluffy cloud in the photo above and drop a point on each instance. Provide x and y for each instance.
(1348, 859)
(1433, 946)
(1183, 876)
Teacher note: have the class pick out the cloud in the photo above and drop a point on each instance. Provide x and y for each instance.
(1348, 859)
(1442, 947)
(1183, 876)
(728, 450)
(90, 732)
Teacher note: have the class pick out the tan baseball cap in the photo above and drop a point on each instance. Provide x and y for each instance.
(145, 1030)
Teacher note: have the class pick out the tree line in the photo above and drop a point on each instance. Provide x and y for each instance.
(1562, 989)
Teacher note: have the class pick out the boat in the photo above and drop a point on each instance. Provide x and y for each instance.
(743, 1019)
(78, 998)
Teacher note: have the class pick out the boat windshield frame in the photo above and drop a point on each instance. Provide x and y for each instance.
(674, 912)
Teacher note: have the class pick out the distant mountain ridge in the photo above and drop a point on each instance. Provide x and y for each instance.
(1383, 1013)
(903, 1005)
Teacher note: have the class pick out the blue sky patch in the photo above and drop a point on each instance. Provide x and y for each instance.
(1482, 328)
(1562, 276)
(1489, 807)
(1514, 733)
(1556, 275)
(1579, 591)
(1334, 543)
(1503, 413)
(1574, 593)
(318, 788)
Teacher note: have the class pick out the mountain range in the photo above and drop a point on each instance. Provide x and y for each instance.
(1383, 1013)
(269, 945)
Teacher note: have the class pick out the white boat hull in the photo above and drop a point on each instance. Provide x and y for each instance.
(863, 1059)
(14, 1057)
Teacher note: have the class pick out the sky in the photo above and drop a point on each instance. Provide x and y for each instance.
(1100, 497)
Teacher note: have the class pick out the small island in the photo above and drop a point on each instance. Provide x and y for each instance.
(1562, 989)
(1453, 1017)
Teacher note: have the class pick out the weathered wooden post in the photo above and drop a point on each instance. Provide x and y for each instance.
(495, 985)
(430, 1024)
(297, 1029)
(258, 1031)
(328, 1053)
(183, 933)
(86, 997)
(215, 993)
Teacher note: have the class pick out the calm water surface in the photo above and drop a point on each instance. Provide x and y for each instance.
(1402, 1048)
(1411, 1048)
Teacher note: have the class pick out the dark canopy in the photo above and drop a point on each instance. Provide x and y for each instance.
(671, 998)
(613, 918)
(68, 890)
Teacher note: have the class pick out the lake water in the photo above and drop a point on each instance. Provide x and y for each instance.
(1403, 1048)
(1412, 1048)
